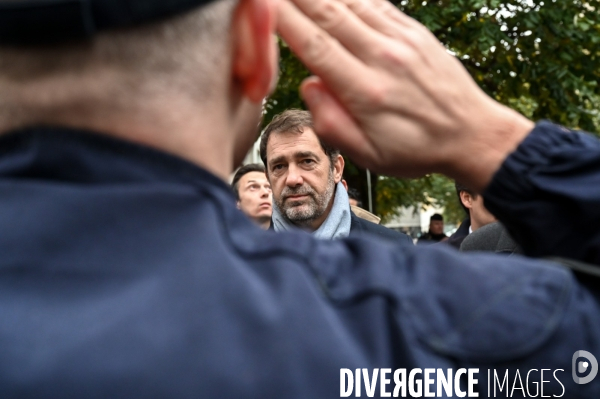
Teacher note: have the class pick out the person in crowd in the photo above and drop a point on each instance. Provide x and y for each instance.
(354, 197)
(477, 214)
(436, 231)
(355, 201)
(253, 193)
(128, 272)
(306, 176)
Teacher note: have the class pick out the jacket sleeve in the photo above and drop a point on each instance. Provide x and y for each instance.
(446, 309)
(547, 193)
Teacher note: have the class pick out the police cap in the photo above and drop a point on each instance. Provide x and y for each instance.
(46, 21)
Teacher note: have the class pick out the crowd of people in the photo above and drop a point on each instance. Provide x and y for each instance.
(304, 178)
(128, 270)
(311, 194)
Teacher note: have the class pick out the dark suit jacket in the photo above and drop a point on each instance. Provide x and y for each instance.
(359, 226)
(459, 235)
(492, 237)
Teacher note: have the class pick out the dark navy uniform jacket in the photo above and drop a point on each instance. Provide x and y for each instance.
(129, 273)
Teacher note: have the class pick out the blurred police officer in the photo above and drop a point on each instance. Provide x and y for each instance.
(128, 272)
(436, 231)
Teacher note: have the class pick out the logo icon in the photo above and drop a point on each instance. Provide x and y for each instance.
(583, 366)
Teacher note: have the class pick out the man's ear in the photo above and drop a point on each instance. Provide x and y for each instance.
(466, 199)
(256, 54)
(338, 168)
(238, 205)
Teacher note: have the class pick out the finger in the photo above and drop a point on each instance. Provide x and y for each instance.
(334, 124)
(322, 54)
(334, 17)
(388, 20)
(393, 13)
(377, 14)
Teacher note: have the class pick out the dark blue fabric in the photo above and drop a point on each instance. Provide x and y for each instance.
(128, 273)
(547, 194)
(43, 21)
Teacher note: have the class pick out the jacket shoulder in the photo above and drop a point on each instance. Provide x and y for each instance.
(364, 226)
(364, 214)
(459, 235)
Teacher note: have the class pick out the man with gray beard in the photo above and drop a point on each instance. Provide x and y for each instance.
(305, 176)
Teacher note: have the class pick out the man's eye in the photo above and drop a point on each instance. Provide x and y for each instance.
(277, 167)
(308, 161)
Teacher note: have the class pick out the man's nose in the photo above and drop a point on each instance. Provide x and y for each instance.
(265, 192)
(294, 177)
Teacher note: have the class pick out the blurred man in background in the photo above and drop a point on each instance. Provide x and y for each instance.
(354, 197)
(477, 214)
(436, 231)
(253, 193)
(356, 205)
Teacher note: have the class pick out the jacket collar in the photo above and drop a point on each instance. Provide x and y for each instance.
(69, 155)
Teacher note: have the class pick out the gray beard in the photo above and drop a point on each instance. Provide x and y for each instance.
(303, 214)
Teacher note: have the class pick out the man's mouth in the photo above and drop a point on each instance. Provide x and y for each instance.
(296, 197)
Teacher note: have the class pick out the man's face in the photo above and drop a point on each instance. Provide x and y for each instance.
(480, 216)
(478, 213)
(302, 180)
(255, 196)
(436, 227)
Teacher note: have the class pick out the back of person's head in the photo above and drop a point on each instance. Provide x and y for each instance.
(251, 167)
(436, 216)
(354, 194)
(65, 82)
(293, 121)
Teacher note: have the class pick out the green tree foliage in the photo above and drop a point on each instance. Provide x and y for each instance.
(432, 189)
(286, 95)
(538, 57)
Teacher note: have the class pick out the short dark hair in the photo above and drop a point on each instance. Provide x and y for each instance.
(251, 167)
(293, 120)
(460, 187)
(436, 216)
(355, 195)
